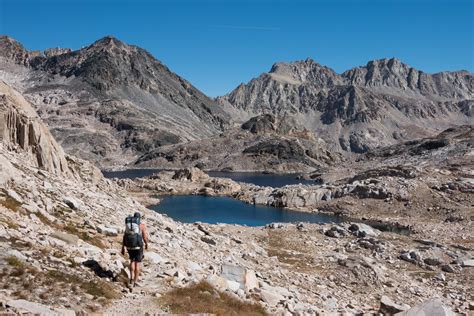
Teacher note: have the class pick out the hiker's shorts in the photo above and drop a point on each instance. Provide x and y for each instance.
(136, 255)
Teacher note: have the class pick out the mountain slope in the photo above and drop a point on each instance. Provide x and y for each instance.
(109, 102)
(366, 107)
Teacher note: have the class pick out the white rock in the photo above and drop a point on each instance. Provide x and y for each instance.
(433, 307)
(271, 298)
(32, 208)
(30, 307)
(218, 282)
(251, 281)
(153, 257)
(388, 306)
(89, 251)
(65, 312)
(79, 260)
(47, 186)
(234, 273)
(187, 244)
(73, 203)
(233, 286)
(67, 238)
(14, 196)
(107, 231)
(193, 266)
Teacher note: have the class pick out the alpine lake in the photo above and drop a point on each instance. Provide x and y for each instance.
(225, 210)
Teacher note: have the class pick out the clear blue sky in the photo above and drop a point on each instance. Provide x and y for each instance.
(218, 44)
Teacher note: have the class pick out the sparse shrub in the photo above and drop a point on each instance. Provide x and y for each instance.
(20, 294)
(44, 295)
(100, 288)
(15, 262)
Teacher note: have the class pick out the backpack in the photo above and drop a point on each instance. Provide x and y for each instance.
(132, 237)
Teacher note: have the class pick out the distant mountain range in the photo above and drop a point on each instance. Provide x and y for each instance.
(115, 104)
(379, 104)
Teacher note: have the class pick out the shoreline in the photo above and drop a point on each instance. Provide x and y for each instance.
(385, 226)
(261, 172)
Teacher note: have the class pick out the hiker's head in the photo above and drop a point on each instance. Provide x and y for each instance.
(137, 214)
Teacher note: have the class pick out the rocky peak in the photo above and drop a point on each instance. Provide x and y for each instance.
(109, 45)
(305, 71)
(383, 72)
(392, 75)
(13, 51)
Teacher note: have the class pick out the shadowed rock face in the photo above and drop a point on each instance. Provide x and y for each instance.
(21, 128)
(110, 102)
(263, 143)
(379, 104)
(13, 51)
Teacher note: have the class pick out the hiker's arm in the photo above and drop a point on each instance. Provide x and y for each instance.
(123, 245)
(145, 236)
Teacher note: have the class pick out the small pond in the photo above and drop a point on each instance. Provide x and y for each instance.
(213, 210)
(225, 210)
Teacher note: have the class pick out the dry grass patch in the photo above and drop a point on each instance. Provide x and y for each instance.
(12, 225)
(18, 268)
(44, 219)
(72, 229)
(203, 298)
(97, 288)
(10, 203)
(288, 249)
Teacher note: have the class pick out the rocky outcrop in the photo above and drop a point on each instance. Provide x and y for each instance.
(13, 51)
(264, 143)
(51, 52)
(21, 128)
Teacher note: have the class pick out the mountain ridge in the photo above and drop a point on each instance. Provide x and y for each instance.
(368, 106)
(110, 102)
(115, 103)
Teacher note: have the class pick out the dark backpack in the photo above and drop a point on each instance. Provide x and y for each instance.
(132, 237)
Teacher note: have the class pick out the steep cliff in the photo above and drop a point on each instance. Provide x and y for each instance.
(22, 130)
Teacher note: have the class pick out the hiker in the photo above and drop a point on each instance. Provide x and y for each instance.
(135, 235)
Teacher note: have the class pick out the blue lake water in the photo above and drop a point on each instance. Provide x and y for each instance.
(273, 180)
(213, 210)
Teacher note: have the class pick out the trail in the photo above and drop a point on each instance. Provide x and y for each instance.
(141, 300)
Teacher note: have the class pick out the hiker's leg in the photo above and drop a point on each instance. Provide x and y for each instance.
(137, 271)
(132, 269)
